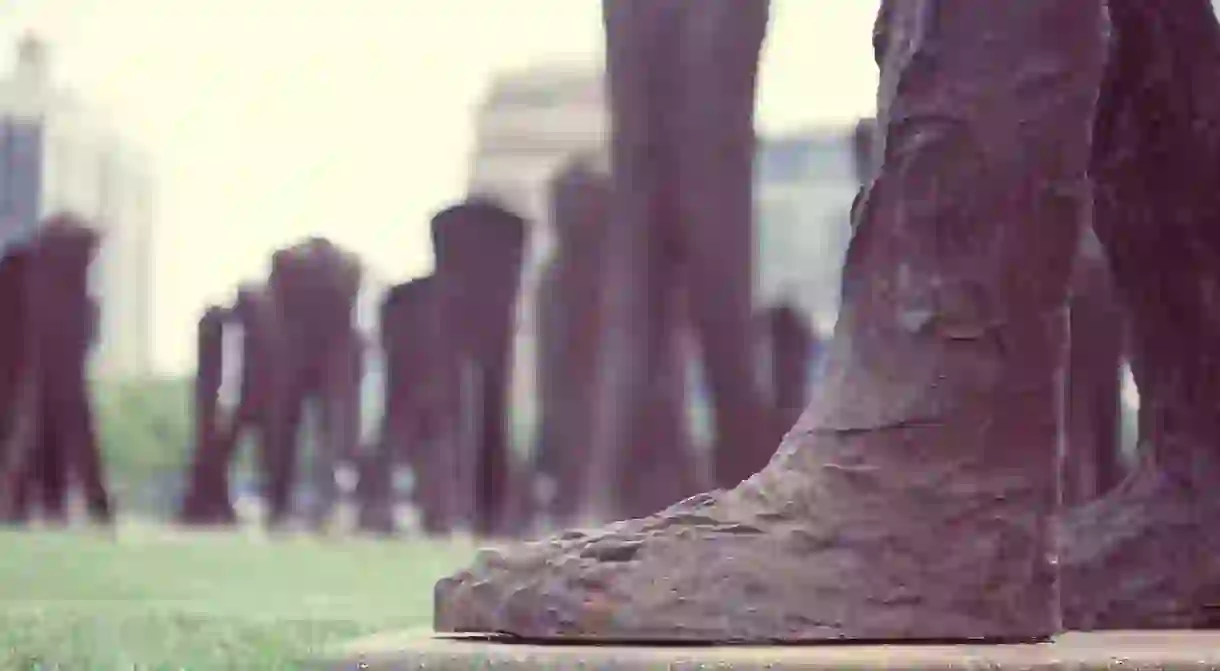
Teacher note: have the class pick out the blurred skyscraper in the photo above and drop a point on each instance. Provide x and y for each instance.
(59, 155)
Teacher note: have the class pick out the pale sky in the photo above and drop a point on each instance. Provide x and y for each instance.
(270, 120)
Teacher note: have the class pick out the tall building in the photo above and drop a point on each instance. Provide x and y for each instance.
(58, 155)
(530, 124)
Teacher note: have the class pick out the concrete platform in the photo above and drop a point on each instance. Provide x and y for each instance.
(1112, 651)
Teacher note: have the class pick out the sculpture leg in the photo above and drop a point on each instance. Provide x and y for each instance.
(207, 501)
(914, 498)
(432, 481)
(1092, 464)
(494, 488)
(789, 349)
(31, 489)
(552, 372)
(661, 438)
(718, 62)
(50, 470)
(339, 414)
(68, 398)
(641, 252)
(21, 440)
(375, 487)
(467, 494)
(448, 484)
(374, 490)
(39, 489)
(1146, 554)
(22, 394)
(278, 451)
(430, 450)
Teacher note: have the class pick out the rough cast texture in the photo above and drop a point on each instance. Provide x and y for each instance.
(914, 497)
(1148, 554)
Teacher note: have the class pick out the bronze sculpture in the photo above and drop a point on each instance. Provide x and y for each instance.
(313, 288)
(299, 342)
(410, 338)
(49, 439)
(916, 496)
(206, 501)
(478, 246)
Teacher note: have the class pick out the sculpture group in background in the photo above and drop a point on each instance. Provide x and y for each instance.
(916, 496)
(219, 429)
(299, 344)
(313, 287)
(47, 437)
(446, 340)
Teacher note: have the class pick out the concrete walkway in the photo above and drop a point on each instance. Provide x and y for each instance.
(1112, 651)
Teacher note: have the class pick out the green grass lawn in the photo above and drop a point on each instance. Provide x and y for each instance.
(152, 598)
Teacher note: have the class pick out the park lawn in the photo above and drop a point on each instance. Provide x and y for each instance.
(154, 598)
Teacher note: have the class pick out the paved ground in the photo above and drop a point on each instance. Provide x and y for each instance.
(1111, 651)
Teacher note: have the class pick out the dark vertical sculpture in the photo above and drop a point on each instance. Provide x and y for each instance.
(254, 312)
(681, 80)
(864, 150)
(410, 341)
(206, 501)
(788, 346)
(16, 397)
(568, 334)
(1146, 554)
(914, 498)
(49, 439)
(313, 288)
(478, 248)
(1092, 463)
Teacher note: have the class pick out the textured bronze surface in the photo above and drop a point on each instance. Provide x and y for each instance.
(1148, 554)
(914, 497)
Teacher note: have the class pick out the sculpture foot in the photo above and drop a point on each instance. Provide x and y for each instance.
(377, 521)
(844, 535)
(201, 515)
(1146, 556)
